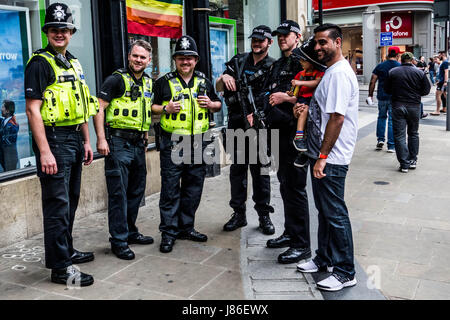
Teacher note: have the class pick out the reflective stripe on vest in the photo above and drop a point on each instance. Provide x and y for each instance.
(67, 101)
(124, 113)
(192, 119)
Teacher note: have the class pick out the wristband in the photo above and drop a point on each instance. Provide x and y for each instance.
(323, 156)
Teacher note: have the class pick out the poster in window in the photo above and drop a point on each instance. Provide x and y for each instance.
(14, 54)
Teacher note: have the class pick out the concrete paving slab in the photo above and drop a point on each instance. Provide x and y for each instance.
(100, 290)
(11, 291)
(53, 297)
(178, 278)
(433, 290)
(140, 294)
(222, 288)
(225, 258)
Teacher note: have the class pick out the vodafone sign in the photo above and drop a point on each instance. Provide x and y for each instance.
(340, 4)
(399, 23)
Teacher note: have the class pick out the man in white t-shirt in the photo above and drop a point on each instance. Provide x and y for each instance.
(332, 131)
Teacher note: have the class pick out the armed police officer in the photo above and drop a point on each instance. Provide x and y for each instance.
(58, 106)
(255, 66)
(183, 98)
(122, 130)
(292, 179)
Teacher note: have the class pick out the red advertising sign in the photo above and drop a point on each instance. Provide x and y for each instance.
(399, 23)
(339, 4)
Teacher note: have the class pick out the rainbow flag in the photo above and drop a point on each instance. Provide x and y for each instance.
(155, 18)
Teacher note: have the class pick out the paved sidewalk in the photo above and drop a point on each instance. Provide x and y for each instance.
(401, 225)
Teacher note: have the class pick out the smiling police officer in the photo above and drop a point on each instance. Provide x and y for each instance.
(58, 106)
(255, 66)
(126, 96)
(184, 98)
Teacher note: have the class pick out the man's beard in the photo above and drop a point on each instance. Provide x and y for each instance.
(328, 56)
(137, 70)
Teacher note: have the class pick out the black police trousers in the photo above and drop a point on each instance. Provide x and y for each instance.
(181, 188)
(293, 193)
(239, 182)
(126, 172)
(60, 194)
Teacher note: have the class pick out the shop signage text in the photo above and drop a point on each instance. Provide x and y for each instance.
(338, 4)
(399, 23)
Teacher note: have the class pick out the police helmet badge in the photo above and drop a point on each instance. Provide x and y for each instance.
(59, 14)
(185, 44)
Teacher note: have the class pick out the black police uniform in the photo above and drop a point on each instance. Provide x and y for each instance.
(125, 170)
(61, 191)
(181, 184)
(292, 179)
(256, 74)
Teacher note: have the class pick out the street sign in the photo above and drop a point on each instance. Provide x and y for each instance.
(386, 39)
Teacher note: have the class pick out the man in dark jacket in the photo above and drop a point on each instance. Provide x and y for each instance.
(407, 84)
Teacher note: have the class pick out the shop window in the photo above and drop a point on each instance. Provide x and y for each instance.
(20, 35)
(231, 23)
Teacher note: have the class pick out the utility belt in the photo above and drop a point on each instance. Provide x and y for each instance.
(76, 127)
(130, 135)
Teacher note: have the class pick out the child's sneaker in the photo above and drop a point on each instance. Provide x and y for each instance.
(300, 145)
(301, 160)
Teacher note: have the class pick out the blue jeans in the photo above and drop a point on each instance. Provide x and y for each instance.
(432, 76)
(385, 113)
(335, 241)
(406, 120)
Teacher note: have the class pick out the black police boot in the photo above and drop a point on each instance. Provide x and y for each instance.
(140, 239)
(293, 255)
(193, 235)
(167, 243)
(122, 252)
(81, 257)
(71, 276)
(266, 224)
(237, 220)
(282, 241)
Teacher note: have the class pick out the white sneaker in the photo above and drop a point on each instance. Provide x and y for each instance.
(332, 283)
(308, 267)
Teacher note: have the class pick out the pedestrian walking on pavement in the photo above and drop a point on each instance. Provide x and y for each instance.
(122, 126)
(406, 84)
(255, 66)
(333, 129)
(431, 71)
(292, 179)
(184, 98)
(441, 89)
(380, 73)
(58, 106)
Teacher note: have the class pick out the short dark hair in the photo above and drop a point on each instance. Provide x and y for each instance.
(442, 52)
(10, 106)
(141, 43)
(335, 30)
(392, 54)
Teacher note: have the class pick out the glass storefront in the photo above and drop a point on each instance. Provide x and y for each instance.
(20, 35)
(231, 23)
(352, 47)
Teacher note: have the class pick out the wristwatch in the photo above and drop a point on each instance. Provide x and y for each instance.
(323, 156)
(164, 109)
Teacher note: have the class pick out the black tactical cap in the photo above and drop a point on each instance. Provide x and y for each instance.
(58, 15)
(186, 46)
(261, 32)
(287, 26)
(306, 52)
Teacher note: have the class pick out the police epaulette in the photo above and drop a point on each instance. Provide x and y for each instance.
(121, 71)
(39, 51)
(200, 74)
(170, 75)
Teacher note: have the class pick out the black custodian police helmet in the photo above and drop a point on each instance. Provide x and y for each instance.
(58, 15)
(186, 46)
(306, 52)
